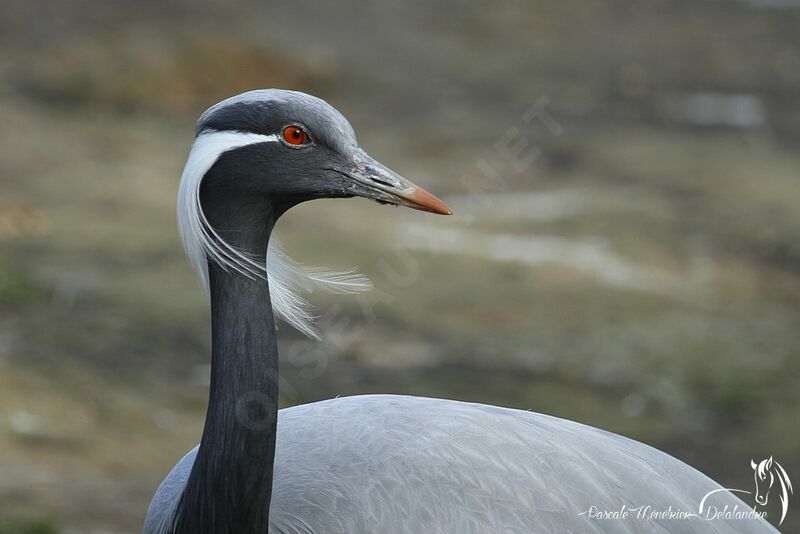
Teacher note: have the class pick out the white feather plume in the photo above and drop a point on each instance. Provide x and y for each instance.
(287, 279)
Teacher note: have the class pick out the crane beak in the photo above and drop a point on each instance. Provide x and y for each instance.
(371, 179)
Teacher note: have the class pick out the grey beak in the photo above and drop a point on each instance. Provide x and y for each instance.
(380, 183)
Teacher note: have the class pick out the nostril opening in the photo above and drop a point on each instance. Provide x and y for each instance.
(382, 182)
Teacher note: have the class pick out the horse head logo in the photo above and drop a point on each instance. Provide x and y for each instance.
(766, 473)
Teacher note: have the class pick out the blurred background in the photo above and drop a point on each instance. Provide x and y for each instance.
(624, 253)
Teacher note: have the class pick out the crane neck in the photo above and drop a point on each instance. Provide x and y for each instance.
(230, 485)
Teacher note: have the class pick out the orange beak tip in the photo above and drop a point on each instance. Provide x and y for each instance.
(422, 200)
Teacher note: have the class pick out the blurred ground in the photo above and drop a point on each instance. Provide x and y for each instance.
(636, 265)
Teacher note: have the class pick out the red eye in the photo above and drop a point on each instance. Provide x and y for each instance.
(294, 135)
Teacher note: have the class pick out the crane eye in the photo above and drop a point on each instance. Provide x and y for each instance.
(295, 135)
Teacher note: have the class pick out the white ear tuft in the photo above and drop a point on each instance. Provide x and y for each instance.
(288, 278)
(202, 243)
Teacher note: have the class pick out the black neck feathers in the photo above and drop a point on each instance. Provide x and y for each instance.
(230, 485)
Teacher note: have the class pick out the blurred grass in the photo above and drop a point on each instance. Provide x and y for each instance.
(37, 526)
(103, 329)
(15, 289)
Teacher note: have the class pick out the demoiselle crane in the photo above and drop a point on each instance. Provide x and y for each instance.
(376, 463)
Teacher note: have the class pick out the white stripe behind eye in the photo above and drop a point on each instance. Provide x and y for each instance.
(202, 243)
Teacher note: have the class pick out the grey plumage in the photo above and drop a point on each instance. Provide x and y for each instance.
(397, 464)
